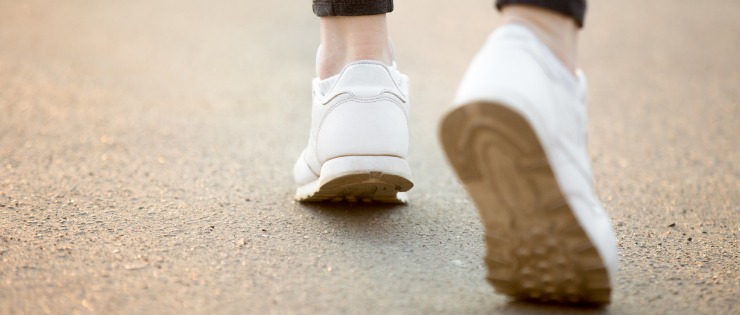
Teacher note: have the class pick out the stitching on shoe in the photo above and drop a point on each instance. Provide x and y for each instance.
(325, 101)
(365, 101)
(370, 63)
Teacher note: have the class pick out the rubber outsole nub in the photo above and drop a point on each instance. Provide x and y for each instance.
(365, 187)
(536, 249)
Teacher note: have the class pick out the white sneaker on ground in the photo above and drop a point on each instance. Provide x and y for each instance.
(359, 139)
(517, 140)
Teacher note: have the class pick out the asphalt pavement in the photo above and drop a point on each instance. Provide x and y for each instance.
(146, 150)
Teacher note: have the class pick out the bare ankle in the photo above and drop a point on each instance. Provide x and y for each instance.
(557, 31)
(348, 39)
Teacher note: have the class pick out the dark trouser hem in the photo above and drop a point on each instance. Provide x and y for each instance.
(575, 9)
(351, 7)
(572, 8)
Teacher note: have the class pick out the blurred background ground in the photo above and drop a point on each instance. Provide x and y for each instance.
(146, 150)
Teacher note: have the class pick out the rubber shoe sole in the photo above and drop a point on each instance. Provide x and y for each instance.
(536, 249)
(367, 179)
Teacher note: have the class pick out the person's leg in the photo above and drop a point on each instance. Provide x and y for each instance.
(359, 130)
(352, 31)
(345, 39)
(517, 140)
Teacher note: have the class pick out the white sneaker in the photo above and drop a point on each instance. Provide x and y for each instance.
(517, 140)
(359, 137)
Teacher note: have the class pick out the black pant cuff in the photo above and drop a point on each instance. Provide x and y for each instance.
(575, 9)
(352, 8)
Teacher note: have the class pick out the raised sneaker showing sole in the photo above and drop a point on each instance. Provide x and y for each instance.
(367, 179)
(536, 248)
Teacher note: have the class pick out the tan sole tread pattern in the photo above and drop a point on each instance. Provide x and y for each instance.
(536, 249)
(368, 187)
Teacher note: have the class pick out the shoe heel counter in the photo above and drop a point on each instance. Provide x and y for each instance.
(374, 126)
